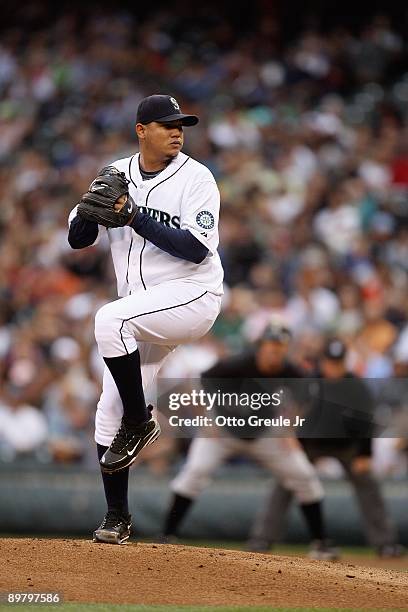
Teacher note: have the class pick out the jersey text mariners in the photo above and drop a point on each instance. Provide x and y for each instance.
(184, 195)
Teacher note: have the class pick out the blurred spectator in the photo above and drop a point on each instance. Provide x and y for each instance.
(305, 134)
(23, 430)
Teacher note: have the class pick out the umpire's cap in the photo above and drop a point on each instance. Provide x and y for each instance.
(277, 333)
(162, 109)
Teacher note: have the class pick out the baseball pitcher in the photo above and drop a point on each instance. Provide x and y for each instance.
(160, 210)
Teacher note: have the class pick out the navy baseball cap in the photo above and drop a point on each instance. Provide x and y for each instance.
(162, 109)
(335, 349)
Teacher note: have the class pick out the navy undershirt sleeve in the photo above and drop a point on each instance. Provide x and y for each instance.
(82, 233)
(177, 242)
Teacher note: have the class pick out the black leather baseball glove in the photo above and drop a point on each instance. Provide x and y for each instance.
(108, 201)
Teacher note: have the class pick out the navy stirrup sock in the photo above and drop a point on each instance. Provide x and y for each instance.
(313, 515)
(116, 487)
(179, 507)
(128, 378)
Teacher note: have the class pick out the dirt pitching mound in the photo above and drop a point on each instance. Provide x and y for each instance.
(164, 574)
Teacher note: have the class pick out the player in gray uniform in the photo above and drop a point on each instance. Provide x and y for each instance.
(283, 457)
(169, 280)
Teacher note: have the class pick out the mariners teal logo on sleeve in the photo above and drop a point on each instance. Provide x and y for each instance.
(205, 219)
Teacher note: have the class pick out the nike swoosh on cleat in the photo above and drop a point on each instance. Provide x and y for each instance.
(153, 435)
(130, 452)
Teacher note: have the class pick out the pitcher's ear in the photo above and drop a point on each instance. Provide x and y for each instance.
(140, 130)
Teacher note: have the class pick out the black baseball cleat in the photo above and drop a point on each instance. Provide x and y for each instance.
(323, 550)
(127, 444)
(167, 539)
(114, 529)
(258, 545)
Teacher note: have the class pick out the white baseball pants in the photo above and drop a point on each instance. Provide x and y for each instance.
(282, 456)
(155, 321)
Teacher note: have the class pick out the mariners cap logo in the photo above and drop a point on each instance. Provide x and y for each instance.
(175, 103)
(205, 219)
(162, 108)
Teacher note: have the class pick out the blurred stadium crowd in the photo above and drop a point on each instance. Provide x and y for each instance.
(308, 141)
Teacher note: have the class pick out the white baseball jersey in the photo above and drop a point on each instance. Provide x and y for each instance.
(184, 195)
